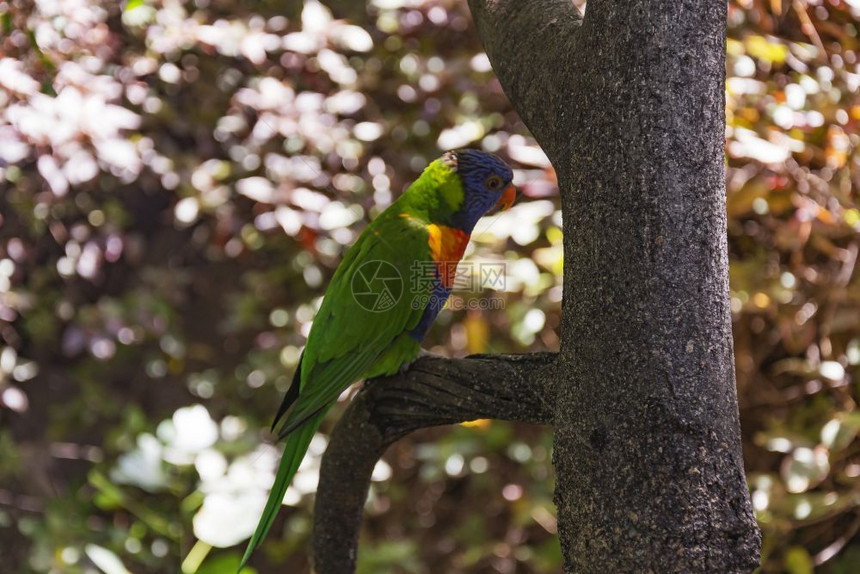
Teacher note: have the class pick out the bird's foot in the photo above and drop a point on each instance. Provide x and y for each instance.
(408, 364)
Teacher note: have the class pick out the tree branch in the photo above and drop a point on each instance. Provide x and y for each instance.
(435, 391)
(529, 44)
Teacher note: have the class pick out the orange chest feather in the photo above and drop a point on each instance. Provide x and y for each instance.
(446, 247)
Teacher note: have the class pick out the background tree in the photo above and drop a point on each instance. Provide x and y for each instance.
(179, 178)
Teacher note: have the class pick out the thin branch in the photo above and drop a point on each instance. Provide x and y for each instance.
(808, 28)
(435, 391)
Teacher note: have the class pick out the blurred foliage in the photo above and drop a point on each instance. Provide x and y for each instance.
(178, 181)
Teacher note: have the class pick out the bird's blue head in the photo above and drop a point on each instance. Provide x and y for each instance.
(486, 181)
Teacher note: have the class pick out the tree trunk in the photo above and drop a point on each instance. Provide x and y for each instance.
(628, 102)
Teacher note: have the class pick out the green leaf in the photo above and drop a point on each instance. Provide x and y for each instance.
(840, 431)
(798, 561)
(225, 564)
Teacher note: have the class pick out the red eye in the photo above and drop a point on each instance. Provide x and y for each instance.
(494, 183)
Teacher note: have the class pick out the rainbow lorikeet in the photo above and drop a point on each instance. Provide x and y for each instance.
(369, 323)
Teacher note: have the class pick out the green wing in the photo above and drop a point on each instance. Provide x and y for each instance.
(367, 306)
(351, 318)
(353, 328)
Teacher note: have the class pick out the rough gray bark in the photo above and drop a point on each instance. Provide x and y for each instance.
(628, 104)
(435, 392)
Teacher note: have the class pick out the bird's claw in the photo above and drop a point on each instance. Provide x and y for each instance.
(408, 364)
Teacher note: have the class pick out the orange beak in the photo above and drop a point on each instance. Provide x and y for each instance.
(508, 197)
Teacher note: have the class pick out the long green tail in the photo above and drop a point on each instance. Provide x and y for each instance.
(294, 451)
